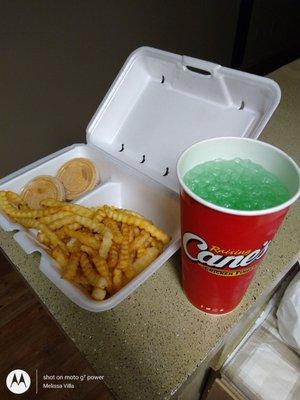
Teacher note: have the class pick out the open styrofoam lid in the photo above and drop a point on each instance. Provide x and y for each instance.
(162, 103)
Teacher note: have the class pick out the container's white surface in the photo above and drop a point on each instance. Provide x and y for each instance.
(121, 187)
(155, 109)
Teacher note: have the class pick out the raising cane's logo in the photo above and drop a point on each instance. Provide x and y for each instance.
(218, 261)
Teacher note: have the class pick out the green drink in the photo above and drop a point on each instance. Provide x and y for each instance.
(237, 184)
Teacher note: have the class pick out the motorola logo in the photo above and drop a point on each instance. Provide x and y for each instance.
(18, 381)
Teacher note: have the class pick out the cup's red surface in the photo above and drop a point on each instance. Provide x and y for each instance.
(221, 253)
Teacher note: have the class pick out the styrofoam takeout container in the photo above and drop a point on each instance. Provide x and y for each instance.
(159, 104)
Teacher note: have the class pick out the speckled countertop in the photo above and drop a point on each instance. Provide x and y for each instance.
(148, 345)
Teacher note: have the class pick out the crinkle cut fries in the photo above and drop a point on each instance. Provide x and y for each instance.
(100, 248)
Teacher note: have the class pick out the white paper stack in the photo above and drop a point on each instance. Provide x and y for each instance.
(265, 367)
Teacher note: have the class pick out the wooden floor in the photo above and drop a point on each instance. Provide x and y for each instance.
(31, 340)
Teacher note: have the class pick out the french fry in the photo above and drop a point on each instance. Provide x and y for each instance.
(50, 203)
(14, 212)
(81, 280)
(147, 258)
(139, 241)
(63, 233)
(75, 226)
(132, 257)
(14, 198)
(62, 222)
(140, 251)
(69, 271)
(113, 256)
(99, 213)
(89, 272)
(73, 245)
(89, 250)
(131, 234)
(117, 279)
(103, 270)
(132, 219)
(137, 231)
(59, 256)
(156, 243)
(98, 294)
(78, 210)
(84, 238)
(113, 227)
(30, 223)
(130, 272)
(53, 238)
(106, 243)
(125, 210)
(23, 207)
(83, 221)
(123, 263)
(72, 208)
(53, 217)
(42, 238)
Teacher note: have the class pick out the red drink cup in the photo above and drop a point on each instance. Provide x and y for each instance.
(221, 247)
